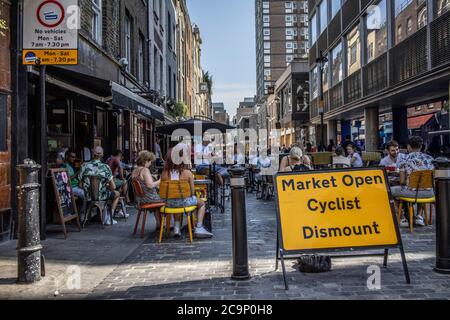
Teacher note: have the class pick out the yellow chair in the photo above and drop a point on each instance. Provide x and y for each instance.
(176, 190)
(369, 157)
(322, 159)
(418, 180)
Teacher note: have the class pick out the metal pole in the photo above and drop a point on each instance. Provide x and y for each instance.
(28, 244)
(442, 177)
(322, 130)
(43, 148)
(239, 222)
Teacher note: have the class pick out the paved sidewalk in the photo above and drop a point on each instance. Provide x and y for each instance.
(116, 265)
(95, 251)
(179, 270)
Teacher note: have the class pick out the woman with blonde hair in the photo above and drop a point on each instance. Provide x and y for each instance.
(143, 175)
(295, 161)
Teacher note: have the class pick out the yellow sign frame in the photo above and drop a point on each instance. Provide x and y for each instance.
(295, 193)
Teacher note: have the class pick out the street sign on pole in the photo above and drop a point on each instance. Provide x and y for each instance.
(50, 32)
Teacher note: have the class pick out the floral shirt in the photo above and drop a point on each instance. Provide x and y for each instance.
(96, 168)
(415, 161)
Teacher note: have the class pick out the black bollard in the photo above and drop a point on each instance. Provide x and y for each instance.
(442, 186)
(29, 241)
(239, 221)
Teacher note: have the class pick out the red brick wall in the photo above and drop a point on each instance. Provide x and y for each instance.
(5, 86)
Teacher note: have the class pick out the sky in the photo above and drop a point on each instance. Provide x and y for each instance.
(227, 29)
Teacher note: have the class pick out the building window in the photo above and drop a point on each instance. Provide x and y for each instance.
(266, 32)
(266, 5)
(289, 45)
(323, 9)
(128, 35)
(408, 26)
(409, 13)
(97, 20)
(376, 30)
(336, 65)
(169, 30)
(266, 45)
(442, 6)
(325, 74)
(354, 51)
(313, 29)
(141, 53)
(335, 7)
(315, 83)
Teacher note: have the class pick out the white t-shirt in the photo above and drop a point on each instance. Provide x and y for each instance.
(205, 151)
(388, 162)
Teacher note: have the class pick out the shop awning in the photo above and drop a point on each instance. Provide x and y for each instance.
(419, 122)
(104, 91)
(124, 98)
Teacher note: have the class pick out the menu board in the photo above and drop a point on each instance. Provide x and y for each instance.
(64, 197)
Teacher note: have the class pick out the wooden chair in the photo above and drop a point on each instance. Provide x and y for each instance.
(322, 159)
(371, 157)
(418, 180)
(143, 208)
(176, 190)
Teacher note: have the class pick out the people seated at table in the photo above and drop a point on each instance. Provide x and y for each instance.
(340, 160)
(346, 143)
(415, 160)
(149, 186)
(177, 172)
(238, 156)
(69, 165)
(118, 172)
(331, 146)
(55, 161)
(296, 161)
(95, 167)
(261, 161)
(394, 156)
(205, 157)
(354, 157)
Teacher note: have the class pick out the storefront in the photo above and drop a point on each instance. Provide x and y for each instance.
(84, 112)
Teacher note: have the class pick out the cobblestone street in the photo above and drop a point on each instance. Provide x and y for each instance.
(178, 270)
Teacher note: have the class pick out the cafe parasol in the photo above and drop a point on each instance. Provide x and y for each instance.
(204, 123)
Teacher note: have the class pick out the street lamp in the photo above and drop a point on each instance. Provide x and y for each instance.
(321, 60)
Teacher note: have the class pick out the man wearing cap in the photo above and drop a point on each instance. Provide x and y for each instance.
(96, 167)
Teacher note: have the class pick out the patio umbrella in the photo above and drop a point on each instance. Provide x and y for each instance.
(190, 126)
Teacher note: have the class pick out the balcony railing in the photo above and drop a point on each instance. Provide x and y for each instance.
(375, 75)
(352, 87)
(440, 40)
(409, 58)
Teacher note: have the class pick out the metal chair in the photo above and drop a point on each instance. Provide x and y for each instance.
(93, 196)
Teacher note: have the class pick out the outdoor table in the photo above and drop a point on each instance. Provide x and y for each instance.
(208, 184)
(393, 177)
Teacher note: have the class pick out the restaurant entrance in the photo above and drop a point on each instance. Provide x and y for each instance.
(83, 135)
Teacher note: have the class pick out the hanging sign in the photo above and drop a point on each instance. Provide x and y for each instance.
(50, 32)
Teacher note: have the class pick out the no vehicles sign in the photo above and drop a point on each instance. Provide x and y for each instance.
(50, 32)
(336, 209)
